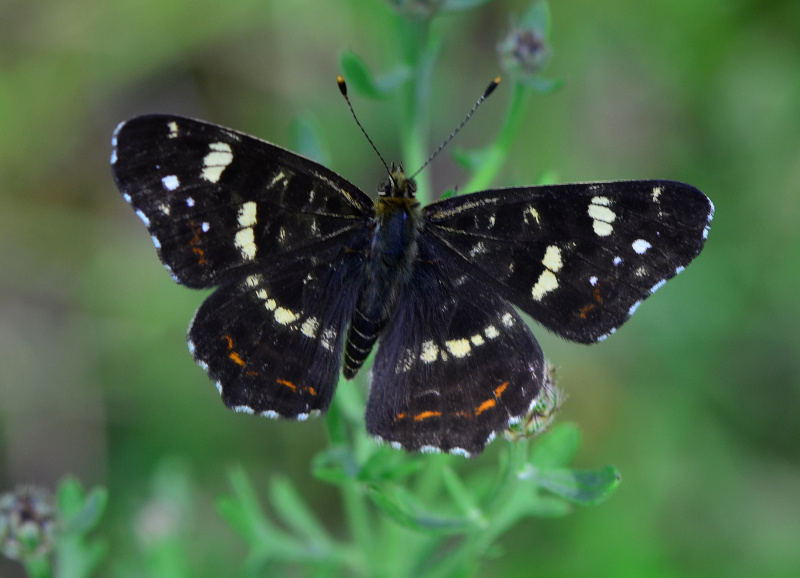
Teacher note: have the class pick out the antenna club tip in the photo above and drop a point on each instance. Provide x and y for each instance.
(492, 86)
(342, 85)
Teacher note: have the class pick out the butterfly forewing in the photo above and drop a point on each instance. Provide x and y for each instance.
(221, 205)
(578, 258)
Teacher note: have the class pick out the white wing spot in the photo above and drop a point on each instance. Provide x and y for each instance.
(328, 337)
(189, 202)
(657, 286)
(247, 214)
(490, 331)
(246, 243)
(173, 129)
(113, 156)
(143, 217)
(656, 194)
(205, 226)
(270, 413)
(592, 280)
(284, 316)
(640, 246)
(243, 409)
(507, 319)
(602, 216)
(156, 242)
(617, 260)
(529, 210)
(164, 208)
(253, 280)
(458, 347)
(477, 249)
(309, 327)
(217, 161)
(633, 308)
(477, 339)
(430, 351)
(278, 177)
(552, 259)
(547, 282)
(678, 270)
(127, 197)
(491, 220)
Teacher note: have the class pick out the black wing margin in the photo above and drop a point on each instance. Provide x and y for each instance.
(578, 258)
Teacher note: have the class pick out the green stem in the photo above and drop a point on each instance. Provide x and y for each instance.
(38, 567)
(497, 154)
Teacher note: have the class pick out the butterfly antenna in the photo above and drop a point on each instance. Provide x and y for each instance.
(489, 90)
(343, 90)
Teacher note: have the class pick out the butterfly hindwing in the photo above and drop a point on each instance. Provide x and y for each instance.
(578, 258)
(221, 204)
(274, 343)
(455, 365)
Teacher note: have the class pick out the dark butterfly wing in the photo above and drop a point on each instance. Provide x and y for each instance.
(578, 258)
(221, 205)
(456, 364)
(274, 343)
(284, 238)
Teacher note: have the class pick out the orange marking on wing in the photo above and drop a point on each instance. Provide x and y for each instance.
(251, 373)
(488, 404)
(311, 390)
(426, 415)
(201, 255)
(500, 389)
(236, 359)
(227, 338)
(288, 384)
(400, 416)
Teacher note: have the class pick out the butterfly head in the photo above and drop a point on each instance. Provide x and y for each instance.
(397, 185)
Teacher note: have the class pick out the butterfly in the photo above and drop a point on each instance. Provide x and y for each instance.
(310, 273)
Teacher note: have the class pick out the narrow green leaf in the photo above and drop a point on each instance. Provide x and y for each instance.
(406, 511)
(335, 465)
(459, 5)
(585, 487)
(87, 517)
(293, 511)
(70, 497)
(462, 498)
(358, 76)
(557, 448)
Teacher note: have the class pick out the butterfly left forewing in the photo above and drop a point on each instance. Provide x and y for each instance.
(578, 258)
(221, 204)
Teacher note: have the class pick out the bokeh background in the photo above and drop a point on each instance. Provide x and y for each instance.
(696, 400)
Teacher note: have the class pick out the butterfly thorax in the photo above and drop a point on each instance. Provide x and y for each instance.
(392, 253)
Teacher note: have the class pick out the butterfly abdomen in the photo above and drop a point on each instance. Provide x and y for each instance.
(392, 253)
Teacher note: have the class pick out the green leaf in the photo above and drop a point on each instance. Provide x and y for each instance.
(557, 448)
(293, 511)
(335, 465)
(359, 77)
(404, 509)
(458, 5)
(388, 465)
(586, 487)
(88, 516)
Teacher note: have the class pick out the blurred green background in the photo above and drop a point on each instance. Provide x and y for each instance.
(696, 400)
